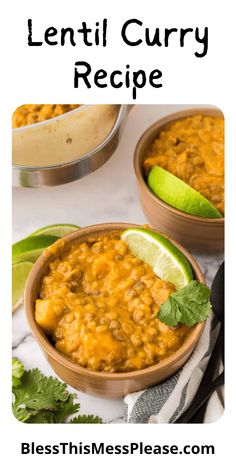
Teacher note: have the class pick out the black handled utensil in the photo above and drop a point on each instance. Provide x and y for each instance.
(208, 385)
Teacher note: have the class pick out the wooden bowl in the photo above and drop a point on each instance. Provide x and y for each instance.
(194, 232)
(109, 385)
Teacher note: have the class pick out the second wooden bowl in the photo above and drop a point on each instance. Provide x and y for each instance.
(194, 232)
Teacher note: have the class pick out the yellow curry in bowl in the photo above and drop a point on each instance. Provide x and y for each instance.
(99, 304)
(192, 148)
(30, 114)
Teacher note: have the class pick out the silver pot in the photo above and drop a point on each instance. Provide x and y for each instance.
(38, 138)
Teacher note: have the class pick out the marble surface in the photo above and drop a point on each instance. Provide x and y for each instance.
(109, 194)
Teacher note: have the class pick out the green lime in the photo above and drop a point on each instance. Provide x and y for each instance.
(20, 274)
(180, 195)
(30, 249)
(168, 262)
(58, 230)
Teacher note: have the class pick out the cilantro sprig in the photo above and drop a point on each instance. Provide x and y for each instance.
(41, 399)
(188, 306)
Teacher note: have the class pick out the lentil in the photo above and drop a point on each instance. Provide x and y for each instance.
(29, 114)
(193, 150)
(110, 323)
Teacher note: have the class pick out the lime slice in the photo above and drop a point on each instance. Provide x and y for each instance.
(180, 195)
(29, 249)
(58, 230)
(20, 274)
(168, 262)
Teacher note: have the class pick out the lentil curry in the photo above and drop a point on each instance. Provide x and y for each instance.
(29, 114)
(192, 149)
(99, 303)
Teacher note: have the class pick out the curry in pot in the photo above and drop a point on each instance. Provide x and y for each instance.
(30, 114)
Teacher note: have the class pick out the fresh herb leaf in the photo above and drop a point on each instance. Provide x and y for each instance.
(17, 372)
(188, 306)
(41, 399)
(66, 409)
(41, 416)
(86, 419)
(38, 392)
(21, 413)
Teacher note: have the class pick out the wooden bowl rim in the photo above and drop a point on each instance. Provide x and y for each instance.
(37, 273)
(155, 128)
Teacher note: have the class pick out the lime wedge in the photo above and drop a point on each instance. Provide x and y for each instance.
(20, 274)
(168, 262)
(180, 195)
(58, 230)
(29, 249)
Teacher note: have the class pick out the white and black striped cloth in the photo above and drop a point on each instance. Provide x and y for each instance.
(165, 402)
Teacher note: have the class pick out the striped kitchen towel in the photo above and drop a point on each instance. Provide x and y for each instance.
(165, 402)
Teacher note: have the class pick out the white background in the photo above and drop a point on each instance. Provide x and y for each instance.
(46, 76)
